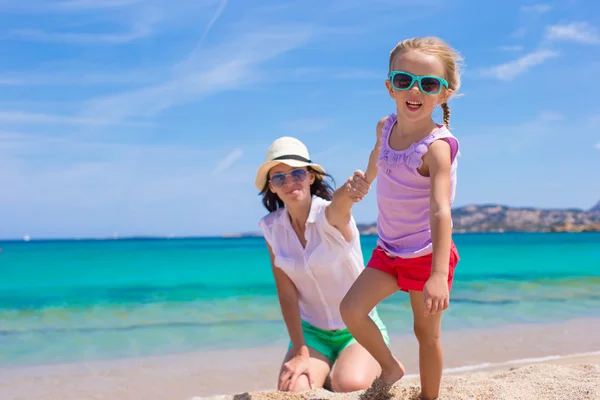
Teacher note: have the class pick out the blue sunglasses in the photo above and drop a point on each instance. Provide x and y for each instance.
(428, 84)
(298, 175)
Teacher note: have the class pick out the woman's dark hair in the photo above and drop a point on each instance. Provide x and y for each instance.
(319, 187)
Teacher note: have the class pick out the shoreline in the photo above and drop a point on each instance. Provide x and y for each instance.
(397, 341)
(216, 373)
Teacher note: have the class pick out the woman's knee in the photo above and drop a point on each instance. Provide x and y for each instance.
(344, 383)
(301, 385)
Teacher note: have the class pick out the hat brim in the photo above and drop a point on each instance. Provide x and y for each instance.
(261, 175)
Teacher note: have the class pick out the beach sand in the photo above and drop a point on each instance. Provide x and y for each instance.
(553, 361)
(539, 382)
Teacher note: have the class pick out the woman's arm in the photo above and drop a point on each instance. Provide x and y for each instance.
(299, 364)
(288, 301)
(339, 212)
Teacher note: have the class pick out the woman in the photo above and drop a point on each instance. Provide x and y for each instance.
(315, 256)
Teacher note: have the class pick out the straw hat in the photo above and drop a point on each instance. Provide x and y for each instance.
(286, 150)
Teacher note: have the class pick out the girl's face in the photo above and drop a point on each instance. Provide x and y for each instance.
(414, 103)
(290, 184)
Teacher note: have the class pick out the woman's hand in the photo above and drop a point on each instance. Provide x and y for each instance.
(292, 370)
(357, 186)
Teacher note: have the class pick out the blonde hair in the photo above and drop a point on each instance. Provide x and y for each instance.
(447, 55)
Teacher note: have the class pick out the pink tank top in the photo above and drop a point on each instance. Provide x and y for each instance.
(403, 194)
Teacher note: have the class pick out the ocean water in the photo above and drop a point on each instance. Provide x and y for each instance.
(63, 301)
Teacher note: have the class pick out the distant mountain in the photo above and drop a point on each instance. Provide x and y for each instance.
(498, 218)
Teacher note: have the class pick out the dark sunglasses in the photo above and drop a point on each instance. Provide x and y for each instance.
(278, 179)
(428, 84)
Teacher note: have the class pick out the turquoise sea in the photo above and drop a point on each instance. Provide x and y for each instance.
(64, 301)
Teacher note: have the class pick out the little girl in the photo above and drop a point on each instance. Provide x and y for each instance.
(414, 160)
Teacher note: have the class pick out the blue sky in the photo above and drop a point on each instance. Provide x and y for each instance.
(150, 117)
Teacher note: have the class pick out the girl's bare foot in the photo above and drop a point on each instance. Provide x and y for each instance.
(393, 373)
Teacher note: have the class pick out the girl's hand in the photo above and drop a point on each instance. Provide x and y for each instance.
(292, 370)
(357, 186)
(437, 296)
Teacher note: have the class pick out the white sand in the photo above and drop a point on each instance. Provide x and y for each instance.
(533, 382)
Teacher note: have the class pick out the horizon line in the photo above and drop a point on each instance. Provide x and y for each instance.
(115, 236)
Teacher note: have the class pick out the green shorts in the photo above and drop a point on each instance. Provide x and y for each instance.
(332, 343)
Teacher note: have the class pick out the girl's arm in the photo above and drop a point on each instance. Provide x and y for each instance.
(371, 172)
(339, 211)
(288, 300)
(438, 162)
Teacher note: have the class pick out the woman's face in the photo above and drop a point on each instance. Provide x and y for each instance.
(291, 184)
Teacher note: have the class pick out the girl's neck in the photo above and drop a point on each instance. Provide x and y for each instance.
(415, 129)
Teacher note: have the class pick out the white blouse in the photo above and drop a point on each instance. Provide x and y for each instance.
(324, 270)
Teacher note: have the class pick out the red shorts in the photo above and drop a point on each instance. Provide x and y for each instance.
(411, 273)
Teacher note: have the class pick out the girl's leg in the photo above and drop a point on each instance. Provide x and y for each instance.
(368, 290)
(355, 369)
(427, 330)
(320, 366)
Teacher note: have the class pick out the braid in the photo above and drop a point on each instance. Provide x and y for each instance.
(446, 110)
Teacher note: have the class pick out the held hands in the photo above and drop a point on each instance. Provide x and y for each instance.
(436, 294)
(357, 186)
(292, 370)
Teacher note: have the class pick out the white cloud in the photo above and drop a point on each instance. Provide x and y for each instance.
(33, 150)
(519, 33)
(78, 5)
(142, 26)
(72, 148)
(513, 138)
(581, 32)
(61, 77)
(213, 20)
(512, 69)
(228, 161)
(99, 187)
(204, 73)
(25, 118)
(106, 21)
(598, 145)
(85, 38)
(320, 155)
(9, 82)
(511, 48)
(536, 8)
(358, 74)
(307, 125)
(593, 122)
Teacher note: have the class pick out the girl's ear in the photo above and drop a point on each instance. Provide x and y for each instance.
(446, 95)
